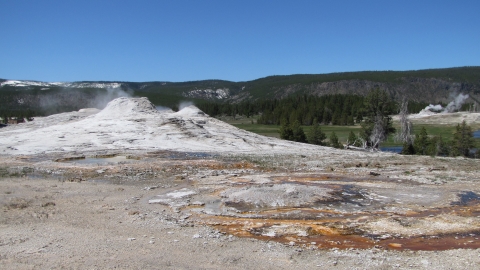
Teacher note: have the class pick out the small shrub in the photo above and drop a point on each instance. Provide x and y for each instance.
(47, 204)
(17, 203)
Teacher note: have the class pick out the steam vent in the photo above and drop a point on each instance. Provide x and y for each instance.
(132, 123)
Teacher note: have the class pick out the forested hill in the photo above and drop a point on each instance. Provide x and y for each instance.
(433, 85)
(430, 86)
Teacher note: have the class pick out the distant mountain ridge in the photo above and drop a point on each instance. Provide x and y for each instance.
(430, 85)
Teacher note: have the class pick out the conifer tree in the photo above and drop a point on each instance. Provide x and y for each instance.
(286, 131)
(298, 133)
(334, 141)
(443, 149)
(462, 140)
(352, 139)
(421, 142)
(408, 149)
(315, 135)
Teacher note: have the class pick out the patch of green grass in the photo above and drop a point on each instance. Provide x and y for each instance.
(265, 130)
(445, 131)
(4, 172)
(248, 124)
(342, 132)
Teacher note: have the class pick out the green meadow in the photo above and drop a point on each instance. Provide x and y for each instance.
(248, 124)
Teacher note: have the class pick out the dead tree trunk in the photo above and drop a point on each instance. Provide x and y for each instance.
(405, 133)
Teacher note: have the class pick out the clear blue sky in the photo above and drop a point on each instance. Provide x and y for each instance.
(179, 40)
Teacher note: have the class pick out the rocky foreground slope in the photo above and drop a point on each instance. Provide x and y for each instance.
(129, 187)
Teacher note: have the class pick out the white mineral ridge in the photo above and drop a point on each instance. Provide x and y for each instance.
(180, 193)
(127, 108)
(135, 124)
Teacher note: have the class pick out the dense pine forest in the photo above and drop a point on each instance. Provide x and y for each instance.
(338, 109)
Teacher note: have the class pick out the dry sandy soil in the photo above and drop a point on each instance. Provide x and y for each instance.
(235, 201)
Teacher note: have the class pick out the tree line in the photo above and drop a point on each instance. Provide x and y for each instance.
(315, 135)
(372, 112)
(18, 114)
(329, 109)
(338, 109)
(461, 144)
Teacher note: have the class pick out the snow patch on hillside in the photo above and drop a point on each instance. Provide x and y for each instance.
(45, 85)
(28, 83)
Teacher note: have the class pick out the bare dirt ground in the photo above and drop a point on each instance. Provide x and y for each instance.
(174, 210)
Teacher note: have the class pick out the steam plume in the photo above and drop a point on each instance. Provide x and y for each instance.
(453, 106)
(162, 108)
(434, 108)
(111, 94)
(184, 104)
(456, 104)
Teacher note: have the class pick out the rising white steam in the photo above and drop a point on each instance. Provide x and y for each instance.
(456, 104)
(162, 108)
(184, 104)
(434, 108)
(453, 106)
(73, 98)
(112, 93)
